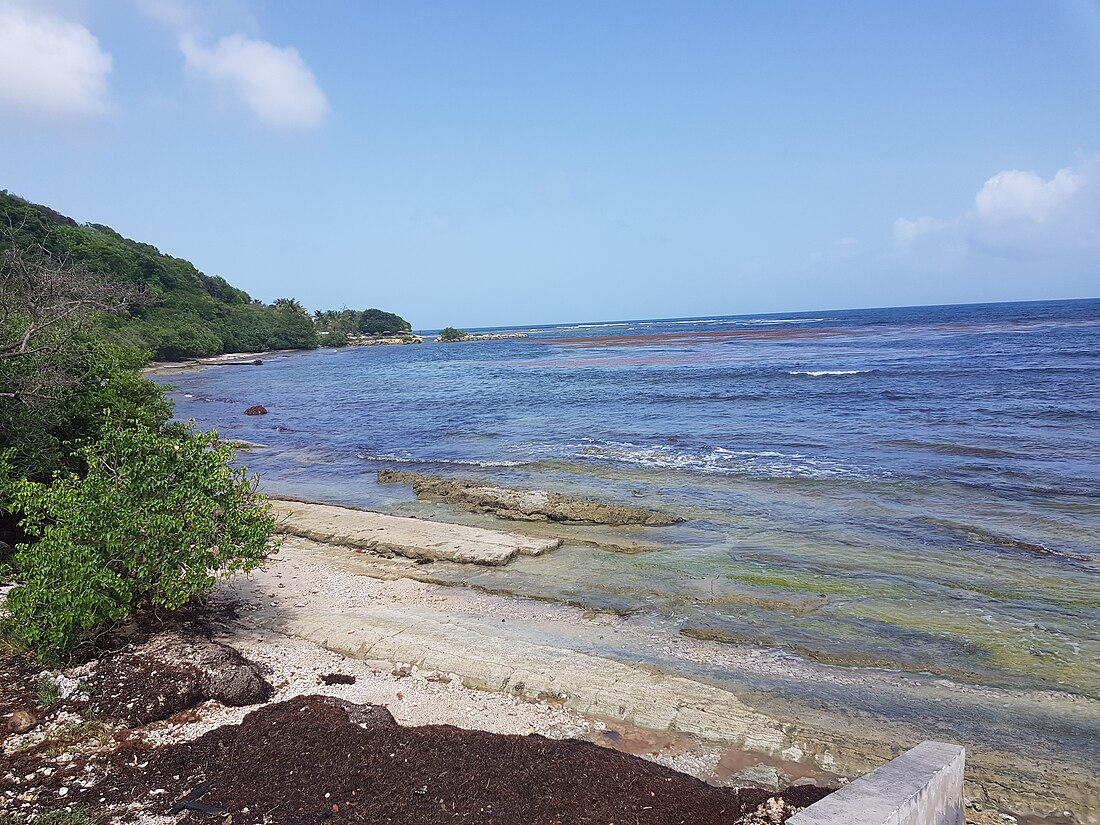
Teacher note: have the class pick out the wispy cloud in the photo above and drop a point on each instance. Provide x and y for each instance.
(1018, 215)
(50, 66)
(177, 15)
(275, 83)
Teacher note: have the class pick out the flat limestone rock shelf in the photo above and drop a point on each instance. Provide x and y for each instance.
(524, 505)
(841, 720)
(408, 537)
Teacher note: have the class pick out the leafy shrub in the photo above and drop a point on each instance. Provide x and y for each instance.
(451, 334)
(159, 513)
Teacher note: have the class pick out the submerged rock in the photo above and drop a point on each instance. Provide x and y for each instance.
(523, 505)
(258, 409)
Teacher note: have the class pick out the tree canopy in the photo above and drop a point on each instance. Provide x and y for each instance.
(111, 505)
(338, 325)
(183, 313)
(452, 334)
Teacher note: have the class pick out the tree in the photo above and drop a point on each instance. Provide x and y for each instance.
(56, 377)
(293, 327)
(185, 313)
(158, 515)
(452, 334)
(46, 303)
(111, 505)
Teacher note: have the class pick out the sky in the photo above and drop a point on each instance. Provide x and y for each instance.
(505, 163)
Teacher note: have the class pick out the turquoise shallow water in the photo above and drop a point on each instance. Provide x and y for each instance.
(915, 488)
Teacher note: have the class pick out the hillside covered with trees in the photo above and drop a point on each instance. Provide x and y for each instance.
(179, 312)
(107, 505)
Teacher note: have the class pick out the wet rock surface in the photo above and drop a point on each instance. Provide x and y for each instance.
(524, 505)
(409, 537)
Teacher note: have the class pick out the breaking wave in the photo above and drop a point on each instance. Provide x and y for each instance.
(715, 460)
(819, 373)
(403, 457)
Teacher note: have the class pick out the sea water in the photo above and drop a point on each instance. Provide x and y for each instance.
(913, 488)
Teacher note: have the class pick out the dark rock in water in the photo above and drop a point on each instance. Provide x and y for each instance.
(259, 409)
(523, 505)
(171, 672)
(22, 721)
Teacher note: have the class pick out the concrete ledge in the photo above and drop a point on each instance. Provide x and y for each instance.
(921, 787)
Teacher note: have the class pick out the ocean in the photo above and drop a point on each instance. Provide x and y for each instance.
(913, 488)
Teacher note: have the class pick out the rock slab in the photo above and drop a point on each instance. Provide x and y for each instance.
(524, 505)
(409, 537)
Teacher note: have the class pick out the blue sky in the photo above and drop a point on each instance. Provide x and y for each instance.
(487, 163)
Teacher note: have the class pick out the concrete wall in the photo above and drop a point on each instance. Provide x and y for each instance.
(921, 787)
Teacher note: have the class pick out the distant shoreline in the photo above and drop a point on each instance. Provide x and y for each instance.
(227, 359)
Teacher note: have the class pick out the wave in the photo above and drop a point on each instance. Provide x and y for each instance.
(406, 458)
(770, 321)
(716, 460)
(819, 373)
(590, 326)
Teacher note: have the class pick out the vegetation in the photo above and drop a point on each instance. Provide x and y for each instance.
(175, 311)
(47, 691)
(452, 334)
(335, 327)
(111, 506)
(63, 816)
(157, 513)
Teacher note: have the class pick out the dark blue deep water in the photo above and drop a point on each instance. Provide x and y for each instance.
(915, 487)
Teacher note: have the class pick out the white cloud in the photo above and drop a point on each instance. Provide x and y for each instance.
(50, 67)
(1015, 194)
(1018, 215)
(273, 82)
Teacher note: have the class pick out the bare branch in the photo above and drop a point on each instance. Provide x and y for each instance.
(47, 301)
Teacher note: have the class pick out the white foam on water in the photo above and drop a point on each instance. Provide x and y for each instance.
(819, 373)
(714, 460)
(407, 458)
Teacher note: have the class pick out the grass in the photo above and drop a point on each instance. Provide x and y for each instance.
(69, 816)
(47, 691)
(76, 733)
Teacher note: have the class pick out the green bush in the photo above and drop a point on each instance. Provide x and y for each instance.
(159, 513)
(451, 334)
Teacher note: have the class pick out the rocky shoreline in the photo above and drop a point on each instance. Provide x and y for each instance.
(227, 712)
(481, 336)
(373, 605)
(524, 505)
